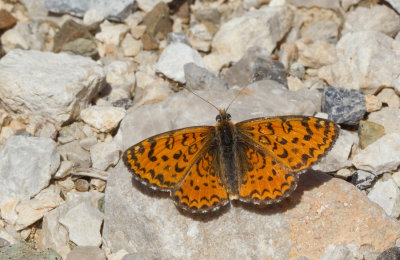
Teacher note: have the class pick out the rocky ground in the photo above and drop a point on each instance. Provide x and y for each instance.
(81, 82)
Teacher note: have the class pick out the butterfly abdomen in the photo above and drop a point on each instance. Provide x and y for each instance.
(225, 138)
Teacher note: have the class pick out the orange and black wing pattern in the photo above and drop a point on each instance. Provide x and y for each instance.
(202, 189)
(163, 161)
(263, 180)
(295, 142)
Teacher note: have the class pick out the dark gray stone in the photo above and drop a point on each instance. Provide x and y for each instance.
(269, 69)
(242, 73)
(392, 253)
(125, 103)
(344, 106)
(362, 179)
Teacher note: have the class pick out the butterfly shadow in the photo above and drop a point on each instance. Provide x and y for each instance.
(307, 181)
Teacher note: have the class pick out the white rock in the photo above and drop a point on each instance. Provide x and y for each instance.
(395, 4)
(111, 33)
(55, 90)
(396, 177)
(333, 4)
(88, 142)
(26, 166)
(56, 234)
(337, 252)
(260, 28)
(377, 18)
(104, 155)
(367, 60)
(338, 157)
(8, 209)
(92, 16)
(347, 3)
(388, 96)
(32, 210)
(83, 223)
(103, 118)
(13, 37)
(147, 5)
(388, 117)
(386, 159)
(64, 169)
(157, 91)
(130, 46)
(317, 54)
(386, 194)
(120, 72)
(174, 57)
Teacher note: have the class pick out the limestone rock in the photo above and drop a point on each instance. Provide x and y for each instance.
(54, 90)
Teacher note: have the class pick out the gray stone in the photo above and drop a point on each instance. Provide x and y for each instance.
(395, 4)
(386, 194)
(24, 251)
(83, 223)
(242, 72)
(73, 152)
(26, 166)
(86, 253)
(343, 106)
(112, 10)
(200, 78)
(55, 90)
(104, 155)
(392, 253)
(133, 222)
(363, 179)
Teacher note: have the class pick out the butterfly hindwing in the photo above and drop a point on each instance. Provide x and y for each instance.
(263, 180)
(162, 161)
(295, 142)
(202, 189)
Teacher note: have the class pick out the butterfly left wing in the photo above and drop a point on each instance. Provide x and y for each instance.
(295, 142)
(162, 161)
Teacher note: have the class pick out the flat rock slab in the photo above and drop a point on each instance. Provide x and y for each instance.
(322, 211)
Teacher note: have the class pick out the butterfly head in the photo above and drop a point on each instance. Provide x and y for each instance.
(223, 116)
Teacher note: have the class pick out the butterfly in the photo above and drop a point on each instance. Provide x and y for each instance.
(255, 161)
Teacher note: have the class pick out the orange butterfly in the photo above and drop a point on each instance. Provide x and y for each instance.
(256, 161)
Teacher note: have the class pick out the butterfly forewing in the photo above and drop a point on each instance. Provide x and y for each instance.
(295, 142)
(162, 161)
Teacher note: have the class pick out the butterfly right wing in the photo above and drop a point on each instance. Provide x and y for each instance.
(263, 180)
(162, 161)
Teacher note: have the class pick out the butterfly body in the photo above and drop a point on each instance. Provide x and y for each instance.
(255, 161)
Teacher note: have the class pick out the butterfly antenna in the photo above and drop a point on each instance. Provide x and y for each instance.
(194, 93)
(237, 95)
